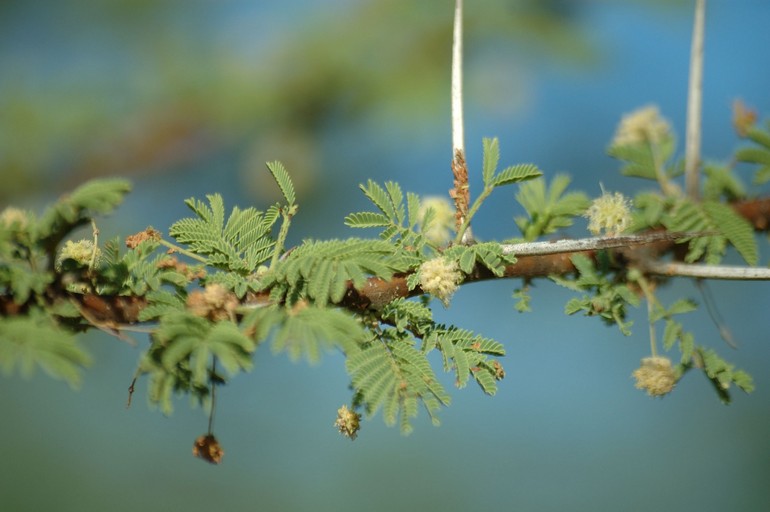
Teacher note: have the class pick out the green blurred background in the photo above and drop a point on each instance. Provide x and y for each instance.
(192, 97)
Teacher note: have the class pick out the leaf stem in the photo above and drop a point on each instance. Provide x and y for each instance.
(651, 301)
(286, 214)
(465, 226)
(189, 254)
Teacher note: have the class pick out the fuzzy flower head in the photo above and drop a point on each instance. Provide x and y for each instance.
(609, 214)
(14, 218)
(642, 125)
(214, 302)
(656, 376)
(439, 230)
(440, 277)
(81, 252)
(348, 422)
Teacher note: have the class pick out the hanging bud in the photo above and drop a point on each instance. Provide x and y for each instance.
(207, 447)
(348, 422)
(655, 375)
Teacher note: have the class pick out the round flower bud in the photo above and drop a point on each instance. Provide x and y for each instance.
(440, 277)
(348, 422)
(655, 375)
(207, 447)
(610, 213)
(438, 232)
(81, 252)
(14, 218)
(642, 125)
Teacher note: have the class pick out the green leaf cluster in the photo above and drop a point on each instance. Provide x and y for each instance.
(38, 341)
(647, 160)
(508, 176)
(609, 295)
(758, 154)
(719, 224)
(398, 219)
(720, 373)
(390, 370)
(487, 254)
(321, 271)
(549, 208)
(183, 354)
(239, 244)
(305, 330)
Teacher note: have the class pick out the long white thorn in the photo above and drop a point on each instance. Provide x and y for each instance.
(695, 102)
(458, 131)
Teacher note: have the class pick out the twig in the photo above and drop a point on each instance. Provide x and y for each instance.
(590, 244)
(695, 103)
(735, 273)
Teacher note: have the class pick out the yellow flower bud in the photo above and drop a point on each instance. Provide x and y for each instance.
(348, 422)
(80, 251)
(610, 213)
(440, 277)
(642, 125)
(655, 375)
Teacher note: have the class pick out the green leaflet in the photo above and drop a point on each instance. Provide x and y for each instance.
(306, 331)
(239, 245)
(283, 180)
(36, 341)
(320, 271)
(182, 355)
(391, 374)
(759, 154)
(466, 353)
(722, 374)
(100, 196)
(462, 351)
(549, 209)
(487, 254)
(645, 160)
(606, 299)
(716, 217)
(398, 220)
(491, 157)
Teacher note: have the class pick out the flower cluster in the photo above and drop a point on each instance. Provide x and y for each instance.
(642, 125)
(438, 231)
(440, 277)
(215, 302)
(656, 376)
(207, 447)
(610, 213)
(81, 252)
(348, 422)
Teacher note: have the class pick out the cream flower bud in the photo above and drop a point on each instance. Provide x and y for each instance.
(610, 213)
(440, 277)
(655, 375)
(14, 218)
(438, 232)
(80, 251)
(642, 125)
(348, 422)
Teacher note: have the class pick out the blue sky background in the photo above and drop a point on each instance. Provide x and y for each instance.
(567, 430)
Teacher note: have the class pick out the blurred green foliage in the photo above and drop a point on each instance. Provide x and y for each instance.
(91, 88)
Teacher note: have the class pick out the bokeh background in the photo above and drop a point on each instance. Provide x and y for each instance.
(192, 97)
